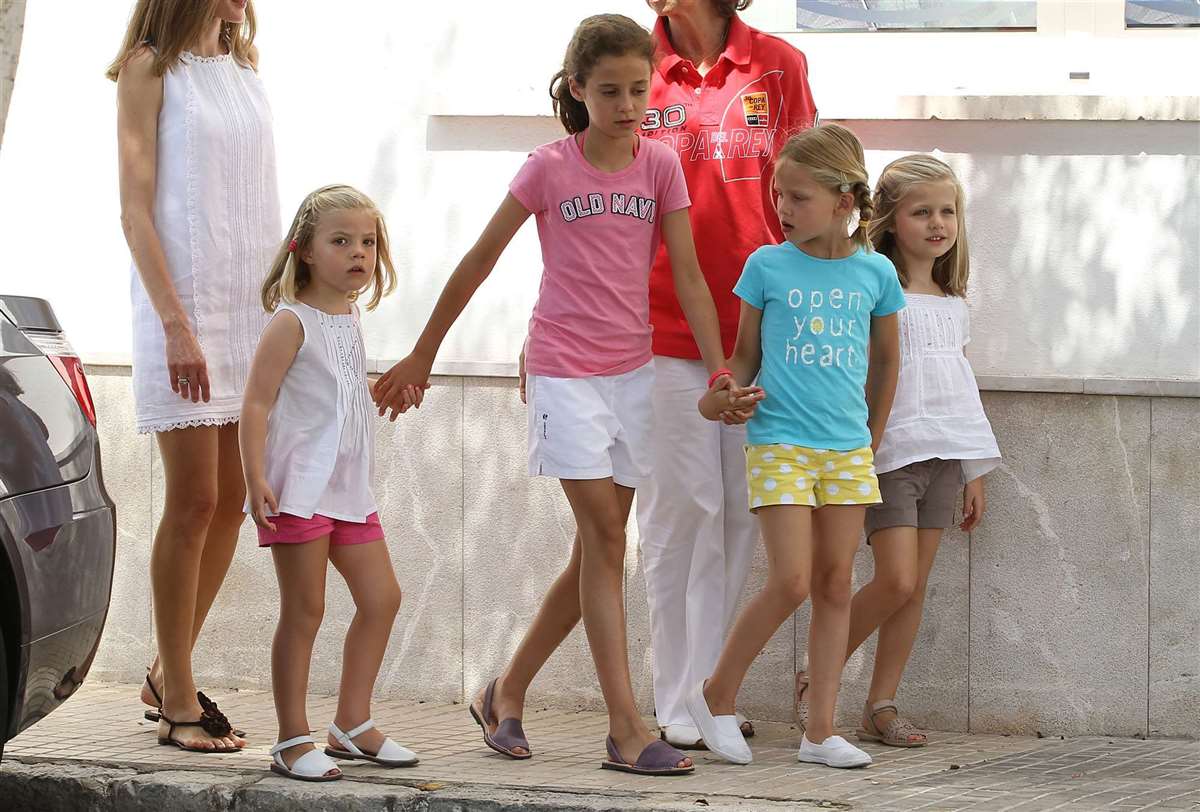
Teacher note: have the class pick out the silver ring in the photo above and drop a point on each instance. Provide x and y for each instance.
(183, 381)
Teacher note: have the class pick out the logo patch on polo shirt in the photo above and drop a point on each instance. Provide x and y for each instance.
(756, 109)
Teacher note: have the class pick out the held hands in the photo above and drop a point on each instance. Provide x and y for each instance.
(973, 505)
(730, 403)
(402, 387)
(262, 504)
(185, 364)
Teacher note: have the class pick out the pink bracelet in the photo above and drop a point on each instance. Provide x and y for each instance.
(722, 371)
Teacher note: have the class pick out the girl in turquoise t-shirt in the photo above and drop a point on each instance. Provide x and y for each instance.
(813, 308)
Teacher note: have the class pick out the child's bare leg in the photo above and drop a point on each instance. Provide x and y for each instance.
(835, 539)
(601, 510)
(895, 552)
(367, 569)
(899, 632)
(557, 616)
(300, 570)
(787, 537)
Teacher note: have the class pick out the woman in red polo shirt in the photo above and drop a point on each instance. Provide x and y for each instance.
(726, 97)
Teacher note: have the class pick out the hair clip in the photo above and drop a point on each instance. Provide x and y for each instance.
(292, 247)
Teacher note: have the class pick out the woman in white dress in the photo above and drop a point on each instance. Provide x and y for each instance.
(200, 211)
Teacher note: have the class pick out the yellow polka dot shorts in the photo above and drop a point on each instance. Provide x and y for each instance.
(780, 474)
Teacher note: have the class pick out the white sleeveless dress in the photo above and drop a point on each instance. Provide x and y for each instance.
(216, 212)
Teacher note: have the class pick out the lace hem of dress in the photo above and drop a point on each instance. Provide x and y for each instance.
(169, 425)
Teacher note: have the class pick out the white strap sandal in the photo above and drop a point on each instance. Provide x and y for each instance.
(312, 766)
(389, 755)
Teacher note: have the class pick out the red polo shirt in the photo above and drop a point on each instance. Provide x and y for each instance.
(727, 127)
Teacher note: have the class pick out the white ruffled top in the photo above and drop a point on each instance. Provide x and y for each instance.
(937, 412)
(321, 431)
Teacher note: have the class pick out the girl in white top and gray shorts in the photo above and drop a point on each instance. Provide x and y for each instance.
(938, 440)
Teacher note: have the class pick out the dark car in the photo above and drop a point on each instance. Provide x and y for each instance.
(57, 523)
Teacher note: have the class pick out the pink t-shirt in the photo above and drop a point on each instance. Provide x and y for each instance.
(599, 233)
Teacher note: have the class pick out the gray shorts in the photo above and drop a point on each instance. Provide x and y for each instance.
(921, 495)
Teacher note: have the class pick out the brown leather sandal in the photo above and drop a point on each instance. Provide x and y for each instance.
(215, 726)
(896, 733)
(205, 703)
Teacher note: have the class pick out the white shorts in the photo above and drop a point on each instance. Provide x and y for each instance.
(592, 428)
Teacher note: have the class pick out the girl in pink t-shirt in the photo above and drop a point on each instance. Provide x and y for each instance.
(603, 198)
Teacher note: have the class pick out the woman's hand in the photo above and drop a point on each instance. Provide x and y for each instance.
(262, 504)
(186, 364)
(403, 386)
(973, 505)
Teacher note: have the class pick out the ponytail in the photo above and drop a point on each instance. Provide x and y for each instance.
(570, 111)
(866, 210)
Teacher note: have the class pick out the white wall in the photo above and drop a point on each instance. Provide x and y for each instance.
(12, 15)
(1085, 234)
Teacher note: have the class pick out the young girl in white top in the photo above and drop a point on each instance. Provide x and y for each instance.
(937, 439)
(307, 433)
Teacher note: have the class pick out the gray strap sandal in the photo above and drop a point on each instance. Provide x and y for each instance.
(658, 758)
(896, 733)
(509, 734)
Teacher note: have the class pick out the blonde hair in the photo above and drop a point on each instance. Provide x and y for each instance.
(170, 27)
(289, 274)
(952, 269)
(834, 156)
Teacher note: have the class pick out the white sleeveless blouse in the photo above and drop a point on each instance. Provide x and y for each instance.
(937, 412)
(216, 213)
(321, 431)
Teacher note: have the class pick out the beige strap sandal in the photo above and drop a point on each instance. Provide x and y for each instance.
(896, 733)
(800, 701)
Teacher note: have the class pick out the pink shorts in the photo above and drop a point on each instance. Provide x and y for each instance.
(291, 529)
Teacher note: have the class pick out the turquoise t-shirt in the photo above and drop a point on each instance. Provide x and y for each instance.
(816, 328)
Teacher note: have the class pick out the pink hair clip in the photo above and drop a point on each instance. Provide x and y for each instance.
(292, 247)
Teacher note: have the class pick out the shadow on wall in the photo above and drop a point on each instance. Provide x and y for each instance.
(1085, 234)
(1085, 241)
(513, 549)
(12, 25)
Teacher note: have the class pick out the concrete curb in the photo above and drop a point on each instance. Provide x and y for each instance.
(34, 786)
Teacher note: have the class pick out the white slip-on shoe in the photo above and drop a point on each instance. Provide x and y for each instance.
(833, 752)
(684, 737)
(720, 733)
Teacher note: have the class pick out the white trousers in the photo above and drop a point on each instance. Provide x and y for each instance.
(697, 535)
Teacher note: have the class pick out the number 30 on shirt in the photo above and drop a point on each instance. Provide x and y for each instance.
(672, 116)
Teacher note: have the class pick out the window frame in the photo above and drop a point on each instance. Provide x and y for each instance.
(919, 29)
(1097, 17)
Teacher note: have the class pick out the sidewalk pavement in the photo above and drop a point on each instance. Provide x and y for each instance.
(97, 753)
